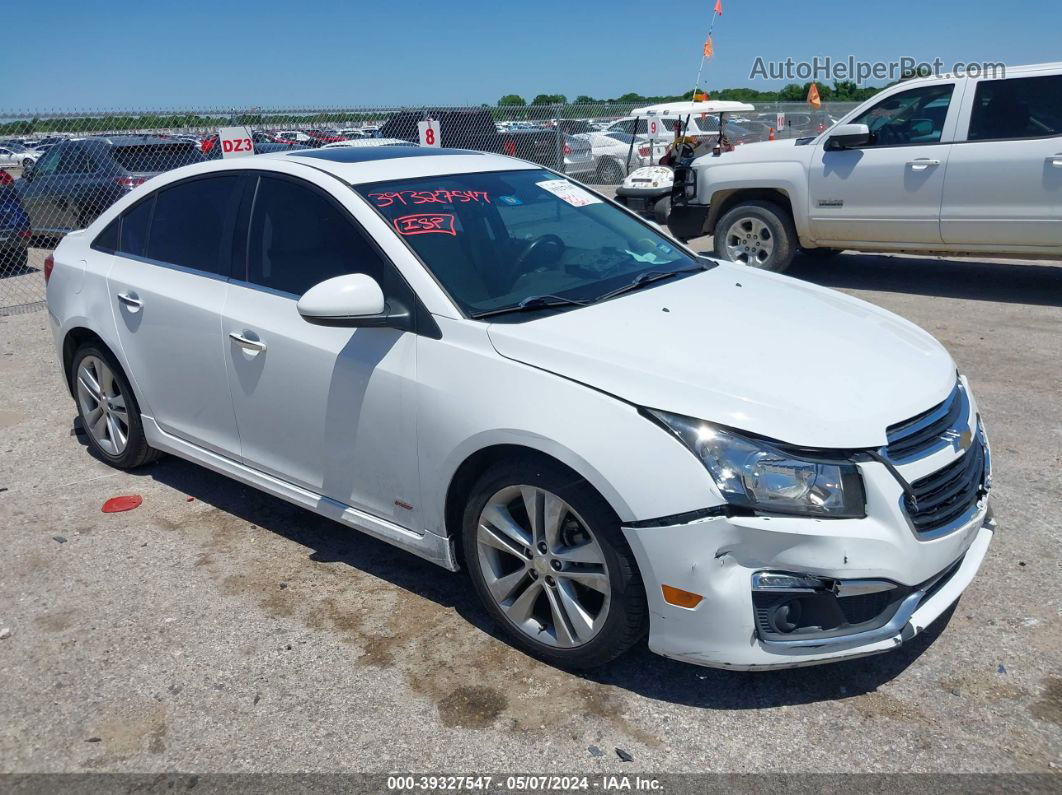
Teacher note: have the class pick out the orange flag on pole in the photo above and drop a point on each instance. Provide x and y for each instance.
(813, 97)
(719, 7)
(709, 50)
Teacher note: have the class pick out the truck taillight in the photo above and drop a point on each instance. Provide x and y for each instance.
(130, 182)
(643, 151)
(567, 149)
(49, 263)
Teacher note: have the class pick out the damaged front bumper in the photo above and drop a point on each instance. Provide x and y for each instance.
(731, 627)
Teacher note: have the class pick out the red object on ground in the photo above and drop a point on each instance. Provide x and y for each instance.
(118, 504)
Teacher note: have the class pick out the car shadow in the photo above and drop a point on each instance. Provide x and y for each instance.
(1006, 282)
(639, 671)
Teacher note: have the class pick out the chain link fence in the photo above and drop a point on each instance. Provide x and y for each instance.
(60, 170)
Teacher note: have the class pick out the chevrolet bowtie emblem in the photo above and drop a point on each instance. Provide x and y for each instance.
(962, 440)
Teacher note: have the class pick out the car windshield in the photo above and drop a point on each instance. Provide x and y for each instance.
(524, 239)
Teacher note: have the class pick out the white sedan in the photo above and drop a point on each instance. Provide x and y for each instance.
(14, 154)
(488, 365)
(616, 155)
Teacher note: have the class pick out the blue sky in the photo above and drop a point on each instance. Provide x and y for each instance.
(71, 54)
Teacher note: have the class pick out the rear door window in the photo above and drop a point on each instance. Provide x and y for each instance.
(153, 158)
(1027, 107)
(193, 221)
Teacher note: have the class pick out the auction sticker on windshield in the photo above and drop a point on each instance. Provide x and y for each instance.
(569, 192)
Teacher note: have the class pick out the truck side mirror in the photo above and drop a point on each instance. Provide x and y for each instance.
(848, 136)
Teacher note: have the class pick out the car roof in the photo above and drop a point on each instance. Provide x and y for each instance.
(362, 165)
(133, 140)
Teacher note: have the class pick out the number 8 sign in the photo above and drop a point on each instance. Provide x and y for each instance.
(429, 133)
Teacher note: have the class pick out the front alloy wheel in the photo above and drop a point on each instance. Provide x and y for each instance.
(543, 566)
(549, 562)
(750, 242)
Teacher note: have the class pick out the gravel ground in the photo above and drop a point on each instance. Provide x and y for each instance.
(219, 629)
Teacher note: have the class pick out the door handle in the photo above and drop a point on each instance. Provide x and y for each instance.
(131, 300)
(922, 164)
(1055, 160)
(256, 346)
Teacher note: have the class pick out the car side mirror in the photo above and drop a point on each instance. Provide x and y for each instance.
(351, 300)
(848, 136)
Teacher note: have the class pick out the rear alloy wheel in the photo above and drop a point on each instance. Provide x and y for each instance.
(108, 410)
(757, 234)
(27, 163)
(558, 576)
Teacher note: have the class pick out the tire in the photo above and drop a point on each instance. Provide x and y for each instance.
(27, 163)
(531, 582)
(773, 240)
(609, 172)
(661, 210)
(110, 383)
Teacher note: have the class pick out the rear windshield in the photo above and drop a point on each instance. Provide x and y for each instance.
(156, 157)
(494, 240)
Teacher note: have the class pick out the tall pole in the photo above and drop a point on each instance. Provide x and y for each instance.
(704, 57)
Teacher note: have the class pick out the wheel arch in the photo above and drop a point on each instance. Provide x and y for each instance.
(481, 460)
(73, 339)
(725, 200)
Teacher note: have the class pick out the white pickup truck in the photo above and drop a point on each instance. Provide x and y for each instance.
(942, 165)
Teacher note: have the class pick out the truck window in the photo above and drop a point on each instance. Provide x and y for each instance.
(911, 117)
(1025, 107)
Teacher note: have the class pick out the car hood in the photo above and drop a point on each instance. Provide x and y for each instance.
(750, 350)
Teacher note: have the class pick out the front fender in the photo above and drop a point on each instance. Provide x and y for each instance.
(718, 182)
(473, 398)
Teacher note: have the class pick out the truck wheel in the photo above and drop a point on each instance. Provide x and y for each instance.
(756, 233)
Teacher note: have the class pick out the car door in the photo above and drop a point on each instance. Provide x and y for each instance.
(329, 409)
(1004, 181)
(38, 189)
(889, 190)
(167, 287)
(7, 157)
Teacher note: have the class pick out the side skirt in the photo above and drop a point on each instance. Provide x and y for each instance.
(426, 545)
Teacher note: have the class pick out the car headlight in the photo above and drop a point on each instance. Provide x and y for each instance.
(755, 474)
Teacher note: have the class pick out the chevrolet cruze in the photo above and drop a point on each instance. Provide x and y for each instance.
(495, 368)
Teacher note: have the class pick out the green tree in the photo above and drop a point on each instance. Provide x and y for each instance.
(511, 100)
(550, 99)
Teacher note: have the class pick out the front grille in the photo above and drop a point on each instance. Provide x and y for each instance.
(948, 493)
(917, 435)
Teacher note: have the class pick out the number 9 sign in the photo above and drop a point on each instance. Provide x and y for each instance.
(656, 130)
(429, 133)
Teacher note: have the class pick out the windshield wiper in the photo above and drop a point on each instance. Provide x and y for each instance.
(645, 279)
(530, 304)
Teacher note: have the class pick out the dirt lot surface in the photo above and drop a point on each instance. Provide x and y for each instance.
(219, 629)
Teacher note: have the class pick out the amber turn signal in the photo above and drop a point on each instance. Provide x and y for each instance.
(679, 597)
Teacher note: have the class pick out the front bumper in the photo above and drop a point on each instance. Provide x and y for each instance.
(716, 558)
